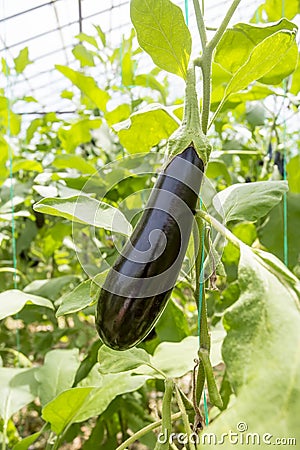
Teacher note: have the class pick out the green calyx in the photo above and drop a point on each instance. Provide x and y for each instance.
(190, 131)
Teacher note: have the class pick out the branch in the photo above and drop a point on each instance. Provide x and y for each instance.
(220, 228)
(144, 431)
(220, 31)
(200, 24)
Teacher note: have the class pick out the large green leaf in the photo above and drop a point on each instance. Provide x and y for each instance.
(237, 43)
(76, 134)
(162, 32)
(146, 128)
(8, 118)
(275, 9)
(295, 86)
(79, 404)
(17, 389)
(3, 159)
(84, 56)
(249, 201)
(57, 373)
(87, 85)
(25, 443)
(75, 300)
(50, 288)
(293, 171)
(174, 359)
(111, 361)
(262, 59)
(86, 210)
(262, 357)
(12, 301)
(271, 234)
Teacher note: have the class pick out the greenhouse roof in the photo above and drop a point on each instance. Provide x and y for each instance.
(49, 29)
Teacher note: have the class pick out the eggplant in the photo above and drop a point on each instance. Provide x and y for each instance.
(139, 284)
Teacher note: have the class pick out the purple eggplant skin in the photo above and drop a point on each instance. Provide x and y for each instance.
(139, 284)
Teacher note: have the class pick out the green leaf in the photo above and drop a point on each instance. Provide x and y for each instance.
(83, 37)
(262, 59)
(113, 361)
(175, 359)
(50, 288)
(279, 269)
(75, 300)
(150, 81)
(17, 389)
(84, 56)
(275, 9)
(73, 161)
(22, 60)
(261, 353)
(86, 210)
(238, 42)
(57, 373)
(3, 159)
(12, 301)
(271, 234)
(101, 34)
(249, 201)
(8, 119)
(76, 134)
(295, 86)
(162, 32)
(293, 171)
(87, 85)
(284, 68)
(79, 404)
(27, 165)
(217, 169)
(25, 443)
(146, 128)
(173, 324)
(120, 113)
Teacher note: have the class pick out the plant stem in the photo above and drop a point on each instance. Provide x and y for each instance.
(205, 62)
(200, 23)
(4, 435)
(220, 31)
(144, 431)
(206, 68)
(220, 228)
(185, 419)
(166, 415)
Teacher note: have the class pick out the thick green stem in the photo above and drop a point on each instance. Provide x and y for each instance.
(219, 227)
(204, 338)
(220, 31)
(4, 435)
(206, 68)
(144, 431)
(185, 419)
(213, 391)
(205, 62)
(190, 131)
(200, 23)
(166, 415)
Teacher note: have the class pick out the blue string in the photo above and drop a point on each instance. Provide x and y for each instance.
(186, 9)
(200, 303)
(201, 280)
(285, 205)
(11, 178)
